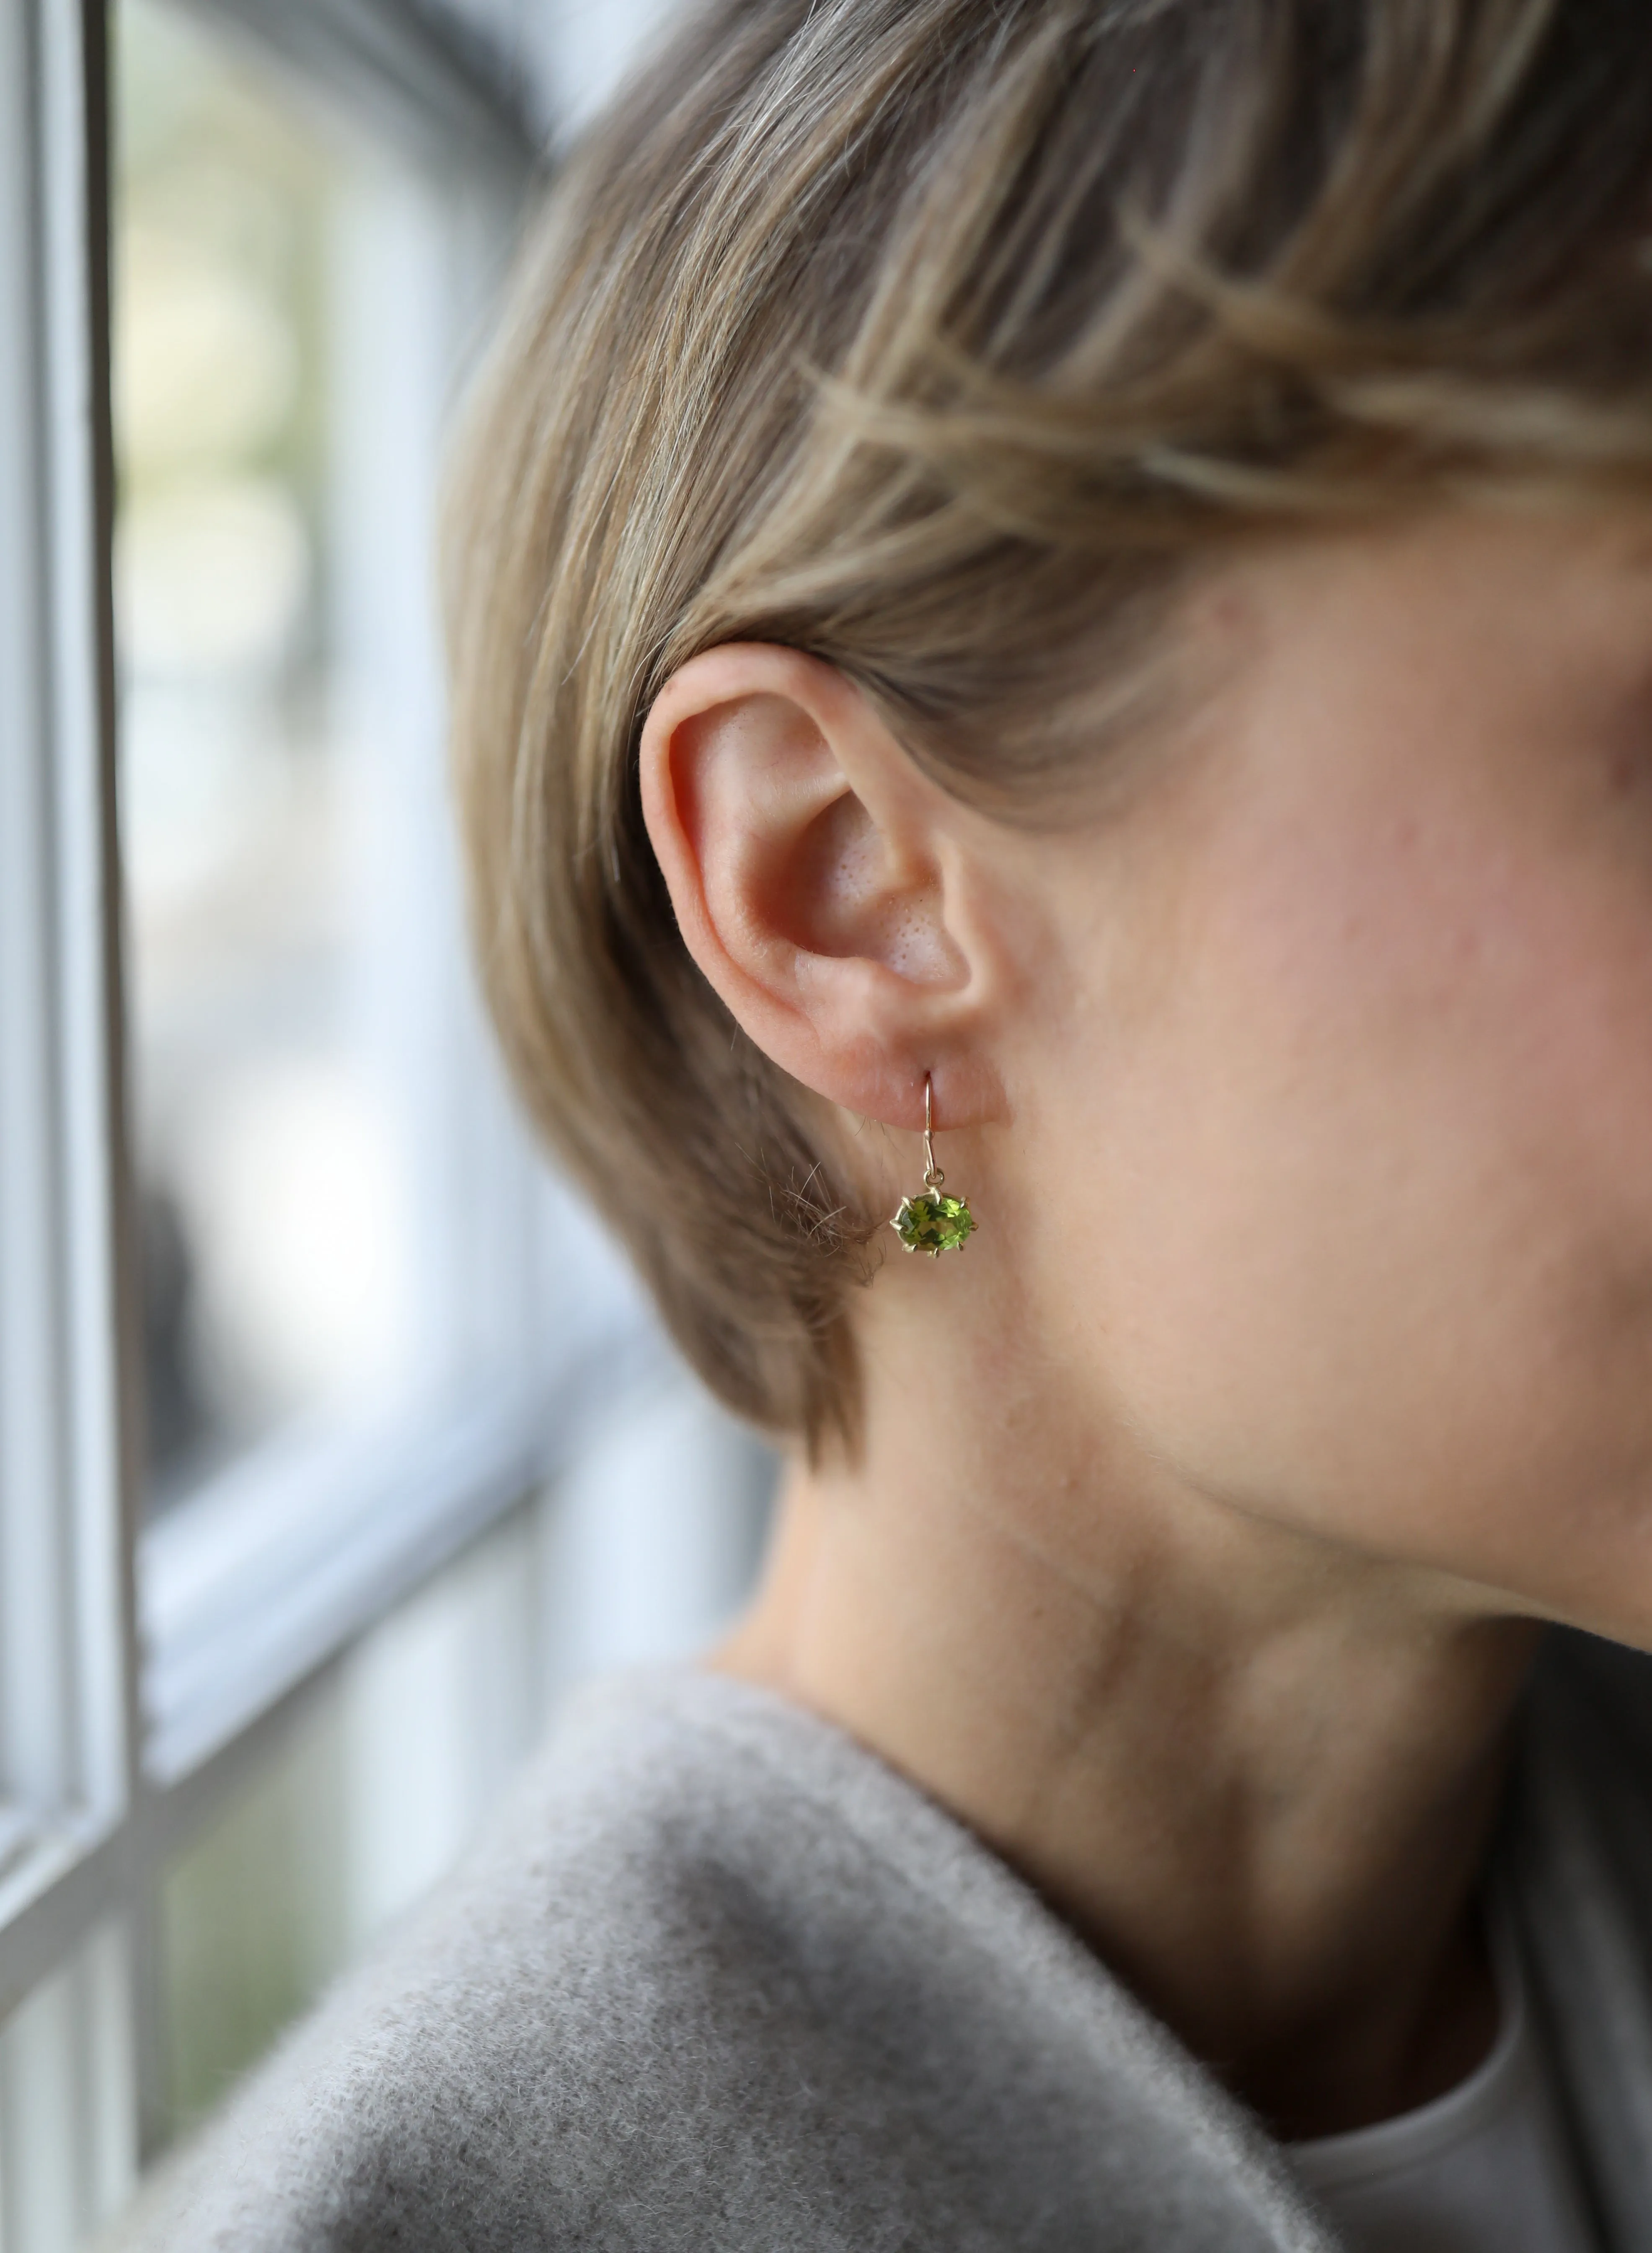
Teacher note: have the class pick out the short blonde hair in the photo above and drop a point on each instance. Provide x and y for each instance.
(943, 340)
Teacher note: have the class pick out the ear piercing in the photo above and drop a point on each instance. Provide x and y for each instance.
(931, 1222)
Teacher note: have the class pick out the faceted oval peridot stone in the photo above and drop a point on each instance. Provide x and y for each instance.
(934, 1223)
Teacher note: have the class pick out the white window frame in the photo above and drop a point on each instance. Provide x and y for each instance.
(144, 1673)
(67, 1748)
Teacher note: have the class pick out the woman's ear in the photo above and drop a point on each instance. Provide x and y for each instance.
(823, 884)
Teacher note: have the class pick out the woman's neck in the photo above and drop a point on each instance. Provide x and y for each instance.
(1256, 1774)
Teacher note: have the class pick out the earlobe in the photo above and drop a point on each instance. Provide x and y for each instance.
(813, 874)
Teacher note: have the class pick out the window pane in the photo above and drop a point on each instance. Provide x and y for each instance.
(277, 1278)
(68, 2155)
(378, 1784)
(252, 1916)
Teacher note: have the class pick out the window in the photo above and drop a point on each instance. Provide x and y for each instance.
(333, 1440)
(339, 1225)
(276, 1191)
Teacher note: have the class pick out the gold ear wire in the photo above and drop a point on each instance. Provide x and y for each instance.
(933, 1222)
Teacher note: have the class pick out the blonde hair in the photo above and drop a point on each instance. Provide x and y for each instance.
(944, 338)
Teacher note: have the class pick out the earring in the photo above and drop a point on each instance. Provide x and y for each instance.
(930, 1222)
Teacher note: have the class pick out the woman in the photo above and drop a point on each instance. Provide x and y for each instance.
(1078, 571)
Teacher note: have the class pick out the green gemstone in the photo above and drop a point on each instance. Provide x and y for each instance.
(934, 1223)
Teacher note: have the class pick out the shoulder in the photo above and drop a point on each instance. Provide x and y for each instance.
(720, 1979)
(664, 1981)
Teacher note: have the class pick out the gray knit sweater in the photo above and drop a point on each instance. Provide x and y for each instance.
(720, 1980)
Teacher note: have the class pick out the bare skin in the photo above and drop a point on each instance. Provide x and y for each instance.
(1210, 1504)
